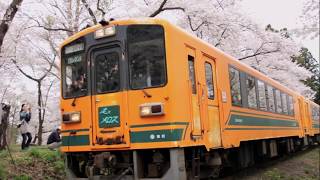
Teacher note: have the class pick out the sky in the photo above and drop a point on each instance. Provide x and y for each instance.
(280, 14)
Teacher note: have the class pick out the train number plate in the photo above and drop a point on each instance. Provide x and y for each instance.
(109, 116)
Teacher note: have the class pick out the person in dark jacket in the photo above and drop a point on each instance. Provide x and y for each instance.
(54, 140)
(25, 117)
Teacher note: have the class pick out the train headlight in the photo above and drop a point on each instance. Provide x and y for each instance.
(151, 109)
(75, 117)
(105, 32)
(71, 117)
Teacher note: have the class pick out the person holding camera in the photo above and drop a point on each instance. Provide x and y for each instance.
(25, 116)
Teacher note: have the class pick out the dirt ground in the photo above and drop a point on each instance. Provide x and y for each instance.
(301, 165)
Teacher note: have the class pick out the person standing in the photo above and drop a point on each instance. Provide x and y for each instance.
(25, 116)
(54, 140)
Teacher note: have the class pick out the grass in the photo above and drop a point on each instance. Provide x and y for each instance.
(22, 177)
(3, 173)
(38, 162)
(45, 154)
(303, 166)
(274, 174)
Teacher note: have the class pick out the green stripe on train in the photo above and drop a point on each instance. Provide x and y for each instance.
(290, 129)
(156, 136)
(316, 125)
(240, 120)
(81, 140)
(74, 130)
(159, 124)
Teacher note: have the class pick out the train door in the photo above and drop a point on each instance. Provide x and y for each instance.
(195, 95)
(210, 102)
(307, 117)
(303, 116)
(110, 99)
(301, 113)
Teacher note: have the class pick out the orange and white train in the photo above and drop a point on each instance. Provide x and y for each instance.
(142, 98)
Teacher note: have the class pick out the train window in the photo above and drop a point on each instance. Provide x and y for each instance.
(146, 52)
(107, 72)
(209, 80)
(262, 95)
(290, 105)
(270, 99)
(234, 76)
(284, 103)
(315, 113)
(192, 75)
(251, 91)
(278, 101)
(74, 76)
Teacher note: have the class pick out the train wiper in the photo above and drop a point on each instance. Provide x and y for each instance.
(146, 93)
(75, 98)
(74, 101)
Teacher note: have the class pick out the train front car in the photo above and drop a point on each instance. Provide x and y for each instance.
(115, 100)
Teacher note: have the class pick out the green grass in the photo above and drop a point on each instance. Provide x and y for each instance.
(3, 173)
(45, 154)
(274, 174)
(59, 167)
(3, 154)
(22, 177)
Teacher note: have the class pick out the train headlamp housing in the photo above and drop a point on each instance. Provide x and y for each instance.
(151, 109)
(72, 117)
(105, 32)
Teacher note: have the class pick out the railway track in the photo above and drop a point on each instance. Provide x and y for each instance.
(260, 169)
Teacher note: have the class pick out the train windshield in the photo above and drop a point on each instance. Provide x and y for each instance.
(74, 71)
(146, 51)
(107, 72)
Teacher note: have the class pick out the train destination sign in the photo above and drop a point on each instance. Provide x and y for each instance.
(74, 59)
(74, 48)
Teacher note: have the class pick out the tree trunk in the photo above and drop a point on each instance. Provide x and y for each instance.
(4, 126)
(40, 114)
(7, 19)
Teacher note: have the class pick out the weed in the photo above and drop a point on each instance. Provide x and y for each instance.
(22, 177)
(3, 154)
(3, 173)
(25, 160)
(45, 154)
(59, 166)
(35, 153)
(274, 174)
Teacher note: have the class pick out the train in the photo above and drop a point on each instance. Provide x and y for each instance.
(144, 99)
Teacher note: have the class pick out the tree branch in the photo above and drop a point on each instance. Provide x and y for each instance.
(100, 9)
(259, 53)
(221, 37)
(48, 28)
(162, 8)
(25, 74)
(93, 17)
(196, 28)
